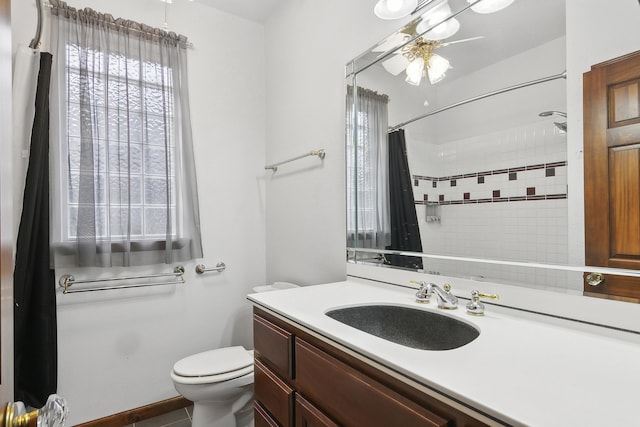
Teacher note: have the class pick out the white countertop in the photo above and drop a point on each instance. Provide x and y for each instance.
(520, 371)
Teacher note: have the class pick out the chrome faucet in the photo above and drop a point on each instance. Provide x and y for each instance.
(443, 295)
(445, 298)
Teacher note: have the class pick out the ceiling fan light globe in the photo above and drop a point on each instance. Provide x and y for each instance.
(394, 9)
(414, 71)
(413, 82)
(437, 68)
(437, 13)
(396, 64)
(489, 6)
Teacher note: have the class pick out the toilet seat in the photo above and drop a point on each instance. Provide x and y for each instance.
(214, 366)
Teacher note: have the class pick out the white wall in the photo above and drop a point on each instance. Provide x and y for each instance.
(308, 44)
(116, 348)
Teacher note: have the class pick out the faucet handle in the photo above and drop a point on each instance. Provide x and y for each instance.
(424, 293)
(475, 306)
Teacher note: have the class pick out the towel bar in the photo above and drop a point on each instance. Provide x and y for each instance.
(67, 280)
(220, 267)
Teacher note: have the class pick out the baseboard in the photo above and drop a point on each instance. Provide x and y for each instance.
(138, 414)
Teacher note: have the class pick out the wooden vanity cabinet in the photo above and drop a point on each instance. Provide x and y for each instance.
(307, 415)
(301, 381)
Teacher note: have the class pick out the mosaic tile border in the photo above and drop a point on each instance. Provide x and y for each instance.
(491, 172)
(493, 200)
(550, 171)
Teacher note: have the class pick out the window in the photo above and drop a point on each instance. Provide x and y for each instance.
(131, 143)
(361, 217)
(368, 223)
(124, 183)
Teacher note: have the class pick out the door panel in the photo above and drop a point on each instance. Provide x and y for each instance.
(624, 200)
(624, 108)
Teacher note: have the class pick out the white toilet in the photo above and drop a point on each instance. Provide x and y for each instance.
(220, 382)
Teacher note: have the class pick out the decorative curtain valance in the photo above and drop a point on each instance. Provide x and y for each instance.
(368, 94)
(126, 26)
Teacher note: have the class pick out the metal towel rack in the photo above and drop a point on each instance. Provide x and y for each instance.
(220, 267)
(67, 280)
(320, 153)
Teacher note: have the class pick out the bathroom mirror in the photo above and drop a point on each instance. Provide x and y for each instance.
(486, 145)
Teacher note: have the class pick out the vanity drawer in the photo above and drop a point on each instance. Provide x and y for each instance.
(273, 345)
(308, 415)
(351, 398)
(273, 394)
(261, 417)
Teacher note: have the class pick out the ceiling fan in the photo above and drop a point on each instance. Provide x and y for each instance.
(418, 58)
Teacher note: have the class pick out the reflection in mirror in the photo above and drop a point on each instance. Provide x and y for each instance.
(476, 109)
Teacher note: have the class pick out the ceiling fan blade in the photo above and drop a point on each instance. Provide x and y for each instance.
(391, 42)
(461, 41)
(396, 64)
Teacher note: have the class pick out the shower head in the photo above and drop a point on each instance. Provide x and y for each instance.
(551, 113)
(560, 125)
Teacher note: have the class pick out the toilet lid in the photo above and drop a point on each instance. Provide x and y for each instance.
(214, 362)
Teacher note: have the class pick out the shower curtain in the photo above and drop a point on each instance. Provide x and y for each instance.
(35, 328)
(25, 79)
(405, 233)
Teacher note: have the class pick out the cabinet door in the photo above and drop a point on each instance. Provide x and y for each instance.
(612, 173)
(308, 415)
(350, 397)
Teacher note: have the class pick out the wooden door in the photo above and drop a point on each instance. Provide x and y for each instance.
(612, 173)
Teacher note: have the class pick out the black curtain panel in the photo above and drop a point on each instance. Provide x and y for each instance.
(35, 328)
(405, 233)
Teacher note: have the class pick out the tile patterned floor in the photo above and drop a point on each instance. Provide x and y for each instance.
(178, 418)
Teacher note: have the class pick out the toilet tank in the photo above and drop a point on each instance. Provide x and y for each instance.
(276, 286)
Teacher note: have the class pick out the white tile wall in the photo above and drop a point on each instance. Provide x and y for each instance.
(530, 230)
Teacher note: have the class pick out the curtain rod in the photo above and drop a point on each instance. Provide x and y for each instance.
(562, 75)
(35, 42)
